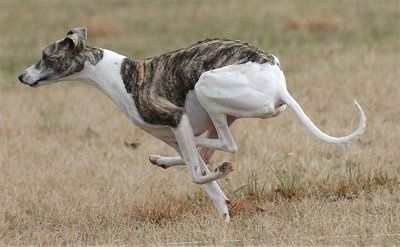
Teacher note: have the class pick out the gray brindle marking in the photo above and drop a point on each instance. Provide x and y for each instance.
(182, 94)
(172, 75)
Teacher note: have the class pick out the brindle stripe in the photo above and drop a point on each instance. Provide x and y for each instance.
(160, 90)
(73, 60)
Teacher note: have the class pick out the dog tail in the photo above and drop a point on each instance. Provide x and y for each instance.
(291, 102)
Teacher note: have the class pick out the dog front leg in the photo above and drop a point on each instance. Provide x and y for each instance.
(215, 193)
(167, 162)
(197, 169)
(188, 151)
(218, 197)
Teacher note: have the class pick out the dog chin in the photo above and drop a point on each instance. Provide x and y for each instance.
(40, 82)
(37, 83)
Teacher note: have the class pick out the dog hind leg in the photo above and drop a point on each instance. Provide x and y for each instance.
(225, 141)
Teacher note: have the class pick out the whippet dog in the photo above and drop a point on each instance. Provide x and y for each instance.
(182, 94)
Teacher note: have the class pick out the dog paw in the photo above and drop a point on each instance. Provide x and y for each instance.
(225, 168)
(153, 160)
(226, 217)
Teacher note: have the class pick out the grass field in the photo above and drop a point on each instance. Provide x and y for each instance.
(75, 171)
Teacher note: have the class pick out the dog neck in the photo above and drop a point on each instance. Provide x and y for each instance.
(106, 76)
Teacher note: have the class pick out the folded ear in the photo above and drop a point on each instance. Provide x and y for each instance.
(76, 39)
(80, 31)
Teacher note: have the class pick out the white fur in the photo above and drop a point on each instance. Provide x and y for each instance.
(255, 90)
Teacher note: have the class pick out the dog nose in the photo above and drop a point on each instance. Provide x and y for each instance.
(21, 77)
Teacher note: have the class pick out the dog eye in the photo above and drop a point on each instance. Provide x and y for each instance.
(44, 55)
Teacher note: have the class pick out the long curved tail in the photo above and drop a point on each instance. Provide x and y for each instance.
(288, 99)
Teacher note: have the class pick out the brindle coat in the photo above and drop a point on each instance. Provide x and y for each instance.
(159, 85)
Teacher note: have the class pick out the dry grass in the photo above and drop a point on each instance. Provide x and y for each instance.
(74, 170)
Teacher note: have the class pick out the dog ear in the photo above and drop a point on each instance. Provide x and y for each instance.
(76, 39)
(80, 31)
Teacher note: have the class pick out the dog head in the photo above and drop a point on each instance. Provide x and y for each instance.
(61, 60)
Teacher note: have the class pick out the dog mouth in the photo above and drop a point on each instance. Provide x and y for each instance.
(35, 84)
(42, 81)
